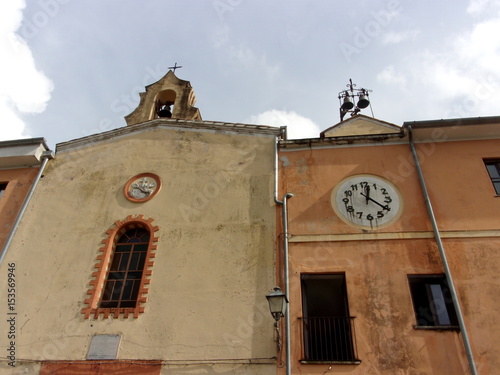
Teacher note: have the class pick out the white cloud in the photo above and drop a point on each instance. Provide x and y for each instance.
(481, 47)
(249, 60)
(11, 127)
(395, 38)
(220, 36)
(478, 7)
(24, 89)
(468, 74)
(389, 75)
(297, 126)
(461, 79)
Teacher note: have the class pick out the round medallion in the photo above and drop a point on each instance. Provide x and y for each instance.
(142, 187)
(367, 201)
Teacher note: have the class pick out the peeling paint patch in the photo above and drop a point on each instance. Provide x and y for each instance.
(285, 161)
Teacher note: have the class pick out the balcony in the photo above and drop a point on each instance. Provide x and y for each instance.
(328, 339)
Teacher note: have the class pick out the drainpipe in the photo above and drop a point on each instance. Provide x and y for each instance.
(46, 156)
(447, 271)
(284, 213)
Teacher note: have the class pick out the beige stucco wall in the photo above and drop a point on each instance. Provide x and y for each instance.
(213, 266)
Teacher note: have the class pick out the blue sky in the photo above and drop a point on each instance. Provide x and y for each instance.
(73, 68)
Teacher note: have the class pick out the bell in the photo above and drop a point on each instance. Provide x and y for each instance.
(348, 104)
(363, 102)
(164, 112)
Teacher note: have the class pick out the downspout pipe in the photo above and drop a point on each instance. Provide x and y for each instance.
(444, 260)
(46, 156)
(284, 213)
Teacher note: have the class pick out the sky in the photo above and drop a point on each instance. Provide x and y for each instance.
(73, 68)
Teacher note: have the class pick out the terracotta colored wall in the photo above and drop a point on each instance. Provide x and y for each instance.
(98, 368)
(19, 183)
(458, 183)
(376, 269)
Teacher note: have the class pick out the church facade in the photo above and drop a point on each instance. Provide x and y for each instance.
(148, 249)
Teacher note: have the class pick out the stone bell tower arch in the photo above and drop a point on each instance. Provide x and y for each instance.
(170, 97)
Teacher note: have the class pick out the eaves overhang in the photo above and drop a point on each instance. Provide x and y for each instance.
(173, 124)
(371, 139)
(458, 129)
(20, 153)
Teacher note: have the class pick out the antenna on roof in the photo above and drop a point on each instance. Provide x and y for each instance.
(346, 99)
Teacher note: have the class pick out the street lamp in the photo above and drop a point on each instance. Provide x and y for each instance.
(277, 303)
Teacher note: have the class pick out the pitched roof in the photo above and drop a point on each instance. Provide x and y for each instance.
(360, 125)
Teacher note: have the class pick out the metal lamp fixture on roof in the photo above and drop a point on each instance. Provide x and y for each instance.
(347, 97)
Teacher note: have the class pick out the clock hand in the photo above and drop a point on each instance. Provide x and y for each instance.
(386, 207)
(367, 191)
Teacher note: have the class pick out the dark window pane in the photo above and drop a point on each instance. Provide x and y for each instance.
(135, 289)
(124, 262)
(493, 170)
(123, 248)
(3, 186)
(438, 304)
(130, 292)
(134, 262)
(497, 187)
(116, 275)
(142, 258)
(116, 261)
(117, 290)
(127, 290)
(108, 290)
(141, 247)
(134, 275)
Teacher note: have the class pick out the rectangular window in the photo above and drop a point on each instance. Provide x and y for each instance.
(493, 167)
(432, 301)
(3, 186)
(327, 328)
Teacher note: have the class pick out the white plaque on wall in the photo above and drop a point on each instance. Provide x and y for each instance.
(104, 347)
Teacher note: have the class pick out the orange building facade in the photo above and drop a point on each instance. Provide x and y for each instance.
(369, 292)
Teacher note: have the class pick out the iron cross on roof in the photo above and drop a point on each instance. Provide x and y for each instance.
(174, 67)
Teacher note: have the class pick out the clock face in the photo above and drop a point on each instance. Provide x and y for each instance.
(142, 187)
(366, 201)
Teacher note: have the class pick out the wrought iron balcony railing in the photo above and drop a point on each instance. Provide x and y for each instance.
(329, 339)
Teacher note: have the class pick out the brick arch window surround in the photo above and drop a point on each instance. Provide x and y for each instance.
(123, 268)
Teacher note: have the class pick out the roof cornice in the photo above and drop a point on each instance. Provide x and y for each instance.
(177, 124)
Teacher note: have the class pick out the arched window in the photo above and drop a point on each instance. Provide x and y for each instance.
(125, 273)
(123, 269)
